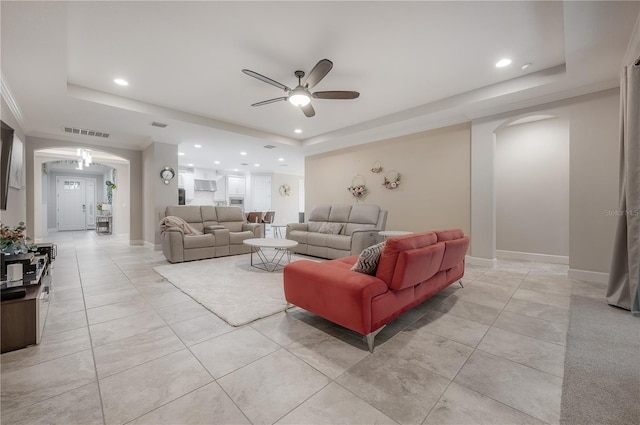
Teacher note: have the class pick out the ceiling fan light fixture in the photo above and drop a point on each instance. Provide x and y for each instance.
(299, 97)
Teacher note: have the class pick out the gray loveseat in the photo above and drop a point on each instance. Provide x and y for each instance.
(224, 229)
(336, 231)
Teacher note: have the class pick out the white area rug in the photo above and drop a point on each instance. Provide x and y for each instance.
(229, 287)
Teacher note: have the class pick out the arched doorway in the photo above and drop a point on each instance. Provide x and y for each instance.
(532, 189)
(53, 163)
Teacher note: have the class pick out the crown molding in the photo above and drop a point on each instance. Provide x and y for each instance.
(7, 95)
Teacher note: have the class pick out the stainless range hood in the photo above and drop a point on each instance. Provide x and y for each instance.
(205, 185)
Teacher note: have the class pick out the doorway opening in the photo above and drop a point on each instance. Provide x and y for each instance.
(532, 189)
(70, 197)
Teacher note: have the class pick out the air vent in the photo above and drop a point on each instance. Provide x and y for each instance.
(269, 147)
(244, 163)
(159, 124)
(84, 132)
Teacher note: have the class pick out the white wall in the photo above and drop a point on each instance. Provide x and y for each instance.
(434, 191)
(593, 183)
(17, 200)
(594, 176)
(285, 207)
(532, 187)
(157, 194)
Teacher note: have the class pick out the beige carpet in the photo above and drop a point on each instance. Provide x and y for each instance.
(229, 287)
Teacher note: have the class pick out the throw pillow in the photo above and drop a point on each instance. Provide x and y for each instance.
(330, 228)
(368, 260)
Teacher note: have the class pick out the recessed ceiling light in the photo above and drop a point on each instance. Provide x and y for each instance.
(216, 162)
(297, 130)
(280, 159)
(256, 165)
(526, 66)
(189, 165)
(181, 153)
(197, 146)
(243, 153)
(121, 82)
(503, 62)
(235, 169)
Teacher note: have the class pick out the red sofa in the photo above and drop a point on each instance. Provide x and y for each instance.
(412, 269)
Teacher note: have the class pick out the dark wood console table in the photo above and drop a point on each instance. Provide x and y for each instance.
(22, 319)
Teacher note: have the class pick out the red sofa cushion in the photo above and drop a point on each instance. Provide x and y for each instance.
(449, 234)
(417, 265)
(454, 252)
(393, 246)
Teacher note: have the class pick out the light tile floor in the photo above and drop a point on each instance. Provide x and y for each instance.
(122, 345)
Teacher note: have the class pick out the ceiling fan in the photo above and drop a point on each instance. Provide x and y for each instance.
(300, 96)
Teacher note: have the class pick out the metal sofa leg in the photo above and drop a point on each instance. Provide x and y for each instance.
(289, 305)
(370, 337)
(460, 283)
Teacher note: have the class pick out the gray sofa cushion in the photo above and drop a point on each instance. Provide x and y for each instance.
(351, 227)
(199, 241)
(365, 214)
(340, 213)
(189, 213)
(236, 238)
(339, 242)
(320, 213)
(209, 215)
(229, 214)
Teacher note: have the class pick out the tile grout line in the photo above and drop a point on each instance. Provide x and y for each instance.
(187, 348)
(471, 354)
(93, 355)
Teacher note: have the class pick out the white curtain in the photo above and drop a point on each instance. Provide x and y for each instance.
(624, 277)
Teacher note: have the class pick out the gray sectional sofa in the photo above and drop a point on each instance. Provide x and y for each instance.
(336, 231)
(224, 229)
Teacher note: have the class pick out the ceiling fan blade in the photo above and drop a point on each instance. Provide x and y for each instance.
(308, 110)
(265, 79)
(266, 102)
(318, 72)
(336, 95)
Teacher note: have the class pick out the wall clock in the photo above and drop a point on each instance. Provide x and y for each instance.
(167, 174)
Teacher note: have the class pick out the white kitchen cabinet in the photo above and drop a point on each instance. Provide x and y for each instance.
(236, 185)
(221, 192)
(261, 193)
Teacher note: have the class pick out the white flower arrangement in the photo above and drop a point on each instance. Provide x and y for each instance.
(285, 190)
(392, 182)
(358, 191)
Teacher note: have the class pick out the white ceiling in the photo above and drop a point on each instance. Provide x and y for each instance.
(417, 65)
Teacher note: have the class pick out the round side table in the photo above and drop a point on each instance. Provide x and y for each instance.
(391, 233)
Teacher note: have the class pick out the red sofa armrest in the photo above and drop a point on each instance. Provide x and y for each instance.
(335, 293)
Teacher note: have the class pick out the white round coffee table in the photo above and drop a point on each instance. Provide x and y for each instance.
(281, 247)
(391, 233)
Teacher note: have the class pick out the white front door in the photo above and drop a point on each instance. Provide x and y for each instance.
(71, 203)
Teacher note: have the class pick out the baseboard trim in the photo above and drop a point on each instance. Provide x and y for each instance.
(483, 262)
(588, 276)
(530, 256)
(136, 242)
(54, 230)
